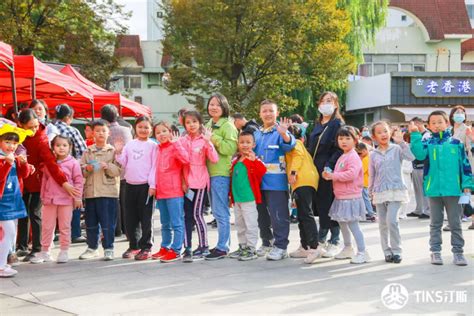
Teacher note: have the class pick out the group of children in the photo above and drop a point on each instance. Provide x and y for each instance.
(269, 163)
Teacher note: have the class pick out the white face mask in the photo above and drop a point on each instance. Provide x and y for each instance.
(326, 109)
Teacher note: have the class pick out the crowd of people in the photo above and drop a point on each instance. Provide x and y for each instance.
(342, 175)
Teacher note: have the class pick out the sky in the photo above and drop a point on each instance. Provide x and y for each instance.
(137, 23)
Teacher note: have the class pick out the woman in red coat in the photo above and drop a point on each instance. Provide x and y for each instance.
(39, 155)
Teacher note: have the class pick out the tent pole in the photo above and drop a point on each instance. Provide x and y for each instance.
(93, 111)
(33, 88)
(120, 110)
(15, 104)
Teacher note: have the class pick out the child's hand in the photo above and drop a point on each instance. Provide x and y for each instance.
(292, 179)
(77, 204)
(327, 175)
(151, 192)
(282, 127)
(469, 133)
(1, 233)
(71, 190)
(104, 165)
(119, 144)
(174, 137)
(251, 156)
(397, 136)
(184, 187)
(32, 168)
(89, 168)
(207, 134)
(22, 159)
(10, 158)
(412, 127)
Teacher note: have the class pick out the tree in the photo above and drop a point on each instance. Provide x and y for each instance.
(251, 50)
(80, 32)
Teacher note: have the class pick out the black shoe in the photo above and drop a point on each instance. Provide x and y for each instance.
(389, 258)
(396, 258)
(187, 256)
(28, 257)
(200, 253)
(424, 216)
(213, 223)
(413, 214)
(22, 253)
(371, 218)
(79, 240)
(216, 254)
(293, 219)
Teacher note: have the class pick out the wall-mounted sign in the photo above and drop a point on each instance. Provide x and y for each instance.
(443, 87)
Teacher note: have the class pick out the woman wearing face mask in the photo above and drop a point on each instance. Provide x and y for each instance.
(325, 152)
(463, 133)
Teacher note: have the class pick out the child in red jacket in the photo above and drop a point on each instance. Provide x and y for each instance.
(12, 170)
(246, 173)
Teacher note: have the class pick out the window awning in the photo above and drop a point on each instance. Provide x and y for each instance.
(423, 112)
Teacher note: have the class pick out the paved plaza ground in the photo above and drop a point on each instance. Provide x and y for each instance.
(127, 287)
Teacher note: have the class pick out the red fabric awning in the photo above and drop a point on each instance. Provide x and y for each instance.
(6, 55)
(49, 83)
(102, 96)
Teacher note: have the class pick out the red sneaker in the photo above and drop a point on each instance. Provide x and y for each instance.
(170, 256)
(130, 253)
(144, 254)
(160, 254)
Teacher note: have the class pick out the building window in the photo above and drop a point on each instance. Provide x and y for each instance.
(132, 82)
(470, 11)
(377, 64)
(138, 99)
(419, 67)
(159, 14)
(155, 80)
(404, 18)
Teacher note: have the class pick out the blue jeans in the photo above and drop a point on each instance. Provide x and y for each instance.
(368, 204)
(76, 223)
(103, 212)
(220, 210)
(172, 221)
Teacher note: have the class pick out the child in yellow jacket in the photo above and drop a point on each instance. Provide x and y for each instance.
(303, 178)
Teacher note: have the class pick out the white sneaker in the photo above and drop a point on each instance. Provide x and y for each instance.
(314, 254)
(331, 251)
(41, 257)
(89, 254)
(361, 257)
(299, 253)
(108, 254)
(7, 272)
(263, 251)
(277, 254)
(63, 257)
(345, 253)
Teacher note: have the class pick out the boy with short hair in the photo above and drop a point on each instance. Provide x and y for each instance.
(101, 191)
(447, 177)
(246, 176)
(273, 141)
(363, 151)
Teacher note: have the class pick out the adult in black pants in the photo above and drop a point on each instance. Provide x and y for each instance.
(323, 148)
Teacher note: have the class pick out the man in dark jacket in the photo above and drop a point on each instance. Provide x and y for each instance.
(243, 125)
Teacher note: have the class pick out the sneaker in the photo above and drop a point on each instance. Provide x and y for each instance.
(314, 254)
(22, 253)
(63, 257)
(447, 228)
(248, 254)
(215, 254)
(41, 257)
(236, 254)
(464, 219)
(293, 219)
(130, 253)
(361, 257)
(389, 258)
(277, 254)
(263, 251)
(170, 256)
(187, 256)
(89, 254)
(213, 223)
(160, 254)
(144, 254)
(423, 216)
(413, 214)
(436, 258)
(459, 259)
(12, 260)
(301, 252)
(200, 253)
(108, 254)
(29, 256)
(79, 240)
(7, 272)
(396, 258)
(331, 251)
(345, 253)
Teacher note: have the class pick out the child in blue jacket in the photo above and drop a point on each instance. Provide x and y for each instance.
(273, 141)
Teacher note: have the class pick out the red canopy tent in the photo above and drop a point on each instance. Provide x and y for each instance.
(35, 80)
(102, 96)
(7, 67)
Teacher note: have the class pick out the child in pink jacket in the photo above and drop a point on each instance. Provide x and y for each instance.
(168, 170)
(57, 203)
(197, 142)
(348, 207)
